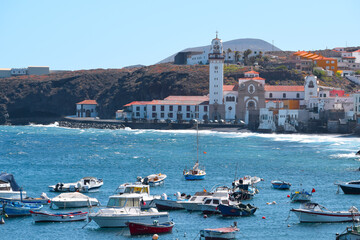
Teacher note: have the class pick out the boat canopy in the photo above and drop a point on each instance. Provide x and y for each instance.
(9, 178)
(119, 201)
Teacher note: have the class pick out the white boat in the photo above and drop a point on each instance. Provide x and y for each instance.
(85, 184)
(210, 205)
(171, 203)
(126, 208)
(59, 217)
(73, 200)
(315, 213)
(195, 202)
(219, 233)
(141, 190)
(9, 189)
(153, 179)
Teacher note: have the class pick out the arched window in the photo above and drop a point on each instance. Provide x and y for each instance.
(311, 84)
(270, 95)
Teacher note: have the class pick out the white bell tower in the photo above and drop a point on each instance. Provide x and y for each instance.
(216, 72)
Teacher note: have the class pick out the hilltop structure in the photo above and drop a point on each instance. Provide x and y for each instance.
(31, 70)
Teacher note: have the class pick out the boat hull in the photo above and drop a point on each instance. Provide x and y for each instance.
(217, 234)
(59, 217)
(142, 229)
(209, 209)
(322, 217)
(120, 220)
(300, 197)
(18, 210)
(348, 236)
(168, 205)
(281, 185)
(74, 204)
(192, 207)
(194, 177)
(12, 194)
(231, 211)
(348, 189)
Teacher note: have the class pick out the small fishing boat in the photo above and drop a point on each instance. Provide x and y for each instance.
(195, 173)
(155, 228)
(278, 184)
(350, 233)
(17, 209)
(237, 210)
(85, 184)
(315, 213)
(126, 208)
(219, 233)
(352, 187)
(59, 217)
(171, 203)
(43, 199)
(9, 189)
(73, 200)
(153, 179)
(301, 196)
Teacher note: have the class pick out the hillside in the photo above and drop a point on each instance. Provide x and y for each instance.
(54, 96)
(241, 44)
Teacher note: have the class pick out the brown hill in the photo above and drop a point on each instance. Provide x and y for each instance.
(30, 98)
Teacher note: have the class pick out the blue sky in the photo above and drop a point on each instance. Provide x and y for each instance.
(79, 34)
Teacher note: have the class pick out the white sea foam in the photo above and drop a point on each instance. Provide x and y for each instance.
(55, 124)
(343, 155)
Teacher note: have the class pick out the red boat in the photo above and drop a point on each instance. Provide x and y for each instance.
(142, 228)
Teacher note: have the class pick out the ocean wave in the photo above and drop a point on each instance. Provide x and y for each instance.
(344, 155)
(55, 124)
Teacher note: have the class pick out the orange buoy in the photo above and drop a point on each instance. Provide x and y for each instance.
(288, 195)
(263, 217)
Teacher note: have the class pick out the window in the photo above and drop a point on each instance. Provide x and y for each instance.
(332, 61)
(206, 107)
(196, 108)
(162, 115)
(208, 201)
(154, 107)
(284, 95)
(332, 67)
(188, 108)
(188, 115)
(92, 110)
(298, 95)
(137, 114)
(324, 94)
(270, 95)
(137, 108)
(196, 115)
(154, 115)
(162, 108)
(170, 115)
(179, 108)
(216, 201)
(320, 94)
(171, 108)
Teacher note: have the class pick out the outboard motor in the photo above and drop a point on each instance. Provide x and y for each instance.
(163, 196)
(85, 188)
(146, 181)
(57, 186)
(178, 195)
(44, 196)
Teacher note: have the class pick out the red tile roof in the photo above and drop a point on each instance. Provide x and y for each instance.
(137, 103)
(279, 88)
(253, 72)
(187, 98)
(254, 78)
(357, 50)
(349, 57)
(88, 102)
(229, 88)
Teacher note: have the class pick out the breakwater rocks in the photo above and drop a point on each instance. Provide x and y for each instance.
(99, 125)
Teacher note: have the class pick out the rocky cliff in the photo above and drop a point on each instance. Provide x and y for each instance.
(34, 98)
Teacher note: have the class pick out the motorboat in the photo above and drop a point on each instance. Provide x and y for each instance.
(17, 209)
(153, 179)
(210, 205)
(9, 189)
(126, 208)
(300, 196)
(141, 190)
(219, 233)
(155, 228)
(315, 213)
(195, 173)
(198, 199)
(59, 217)
(352, 187)
(282, 185)
(43, 199)
(73, 200)
(85, 184)
(350, 233)
(237, 210)
(247, 180)
(171, 202)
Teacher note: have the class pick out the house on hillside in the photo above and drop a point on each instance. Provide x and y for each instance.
(86, 108)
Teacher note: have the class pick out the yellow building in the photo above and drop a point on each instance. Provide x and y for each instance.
(318, 60)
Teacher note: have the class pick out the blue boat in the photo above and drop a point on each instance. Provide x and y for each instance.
(300, 196)
(278, 184)
(237, 210)
(195, 173)
(15, 208)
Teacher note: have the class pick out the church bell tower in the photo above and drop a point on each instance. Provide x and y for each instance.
(216, 80)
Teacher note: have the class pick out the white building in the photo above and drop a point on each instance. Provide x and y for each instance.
(31, 70)
(86, 108)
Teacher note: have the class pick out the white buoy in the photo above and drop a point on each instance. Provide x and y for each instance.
(2, 221)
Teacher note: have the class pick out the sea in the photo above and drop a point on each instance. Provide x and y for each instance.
(43, 155)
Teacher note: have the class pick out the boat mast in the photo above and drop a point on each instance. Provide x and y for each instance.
(197, 142)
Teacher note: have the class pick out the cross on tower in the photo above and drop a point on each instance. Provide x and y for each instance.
(217, 34)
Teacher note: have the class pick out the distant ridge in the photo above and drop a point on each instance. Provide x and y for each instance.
(241, 44)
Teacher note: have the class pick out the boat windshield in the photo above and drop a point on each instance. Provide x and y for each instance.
(132, 202)
(116, 202)
(136, 190)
